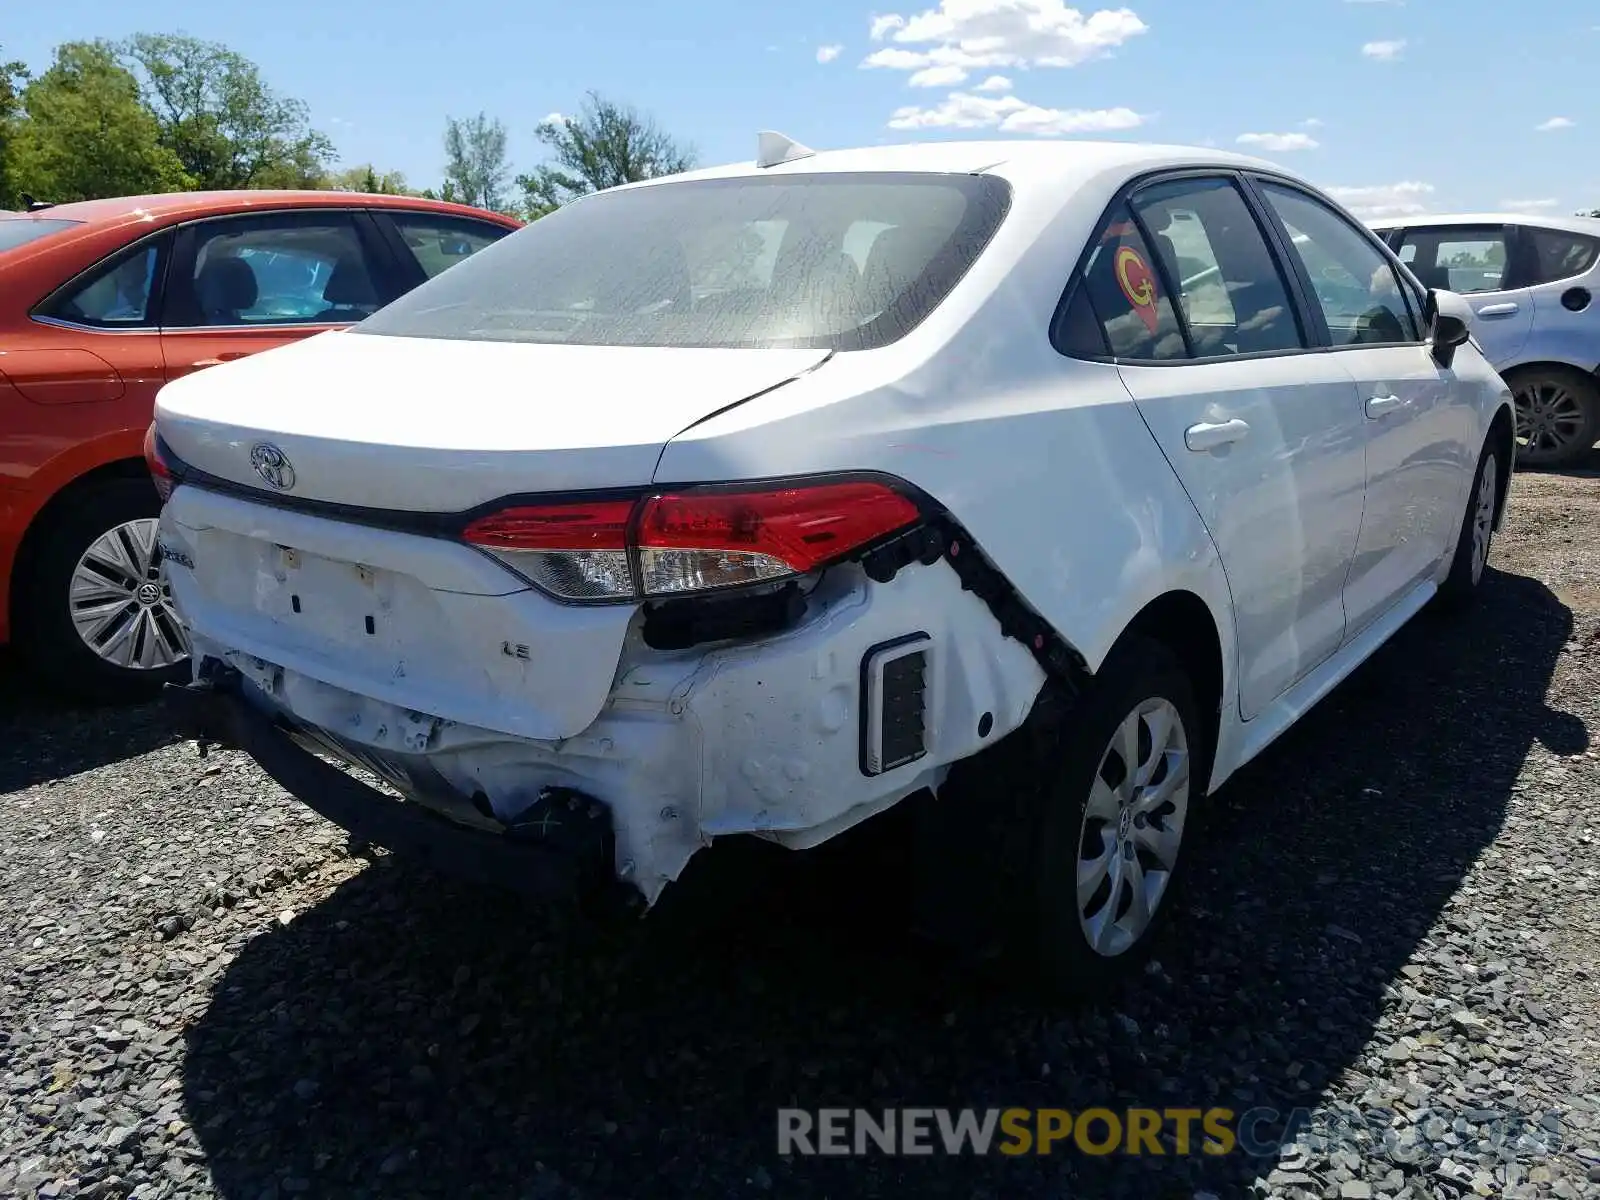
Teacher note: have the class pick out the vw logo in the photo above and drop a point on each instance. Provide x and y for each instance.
(272, 465)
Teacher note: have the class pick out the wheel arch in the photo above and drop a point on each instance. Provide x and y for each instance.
(62, 498)
(1503, 431)
(1184, 623)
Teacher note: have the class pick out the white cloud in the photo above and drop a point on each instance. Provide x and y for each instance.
(826, 54)
(1530, 205)
(1279, 143)
(937, 77)
(1553, 124)
(1385, 200)
(554, 118)
(973, 34)
(1312, 123)
(1008, 114)
(1384, 51)
(995, 83)
(884, 25)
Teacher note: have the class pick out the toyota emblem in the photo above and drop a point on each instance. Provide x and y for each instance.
(272, 465)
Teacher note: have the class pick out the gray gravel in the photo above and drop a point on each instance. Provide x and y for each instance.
(203, 994)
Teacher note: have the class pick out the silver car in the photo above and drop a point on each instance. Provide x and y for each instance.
(1532, 282)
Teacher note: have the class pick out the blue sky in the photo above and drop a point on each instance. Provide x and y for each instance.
(1403, 105)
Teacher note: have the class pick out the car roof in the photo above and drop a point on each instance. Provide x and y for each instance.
(1044, 159)
(1588, 225)
(177, 206)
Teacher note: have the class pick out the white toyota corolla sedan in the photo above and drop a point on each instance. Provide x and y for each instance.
(1045, 482)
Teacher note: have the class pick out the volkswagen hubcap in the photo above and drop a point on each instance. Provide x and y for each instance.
(121, 605)
(1133, 827)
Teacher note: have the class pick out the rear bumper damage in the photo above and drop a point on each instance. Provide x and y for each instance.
(563, 851)
(793, 737)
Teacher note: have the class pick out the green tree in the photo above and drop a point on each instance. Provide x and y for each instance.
(226, 126)
(84, 133)
(604, 145)
(367, 178)
(475, 160)
(13, 75)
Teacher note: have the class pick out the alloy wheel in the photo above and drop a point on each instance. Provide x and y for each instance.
(1132, 827)
(121, 604)
(1550, 418)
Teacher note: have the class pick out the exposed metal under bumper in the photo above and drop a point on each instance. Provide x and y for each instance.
(564, 853)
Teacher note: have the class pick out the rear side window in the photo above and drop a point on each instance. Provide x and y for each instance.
(1557, 255)
(1233, 298)
(1467, 259)
(118, 294)
(1128, 298)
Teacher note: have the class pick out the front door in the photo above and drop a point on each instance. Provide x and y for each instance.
(1416, 436)
(1265, 435)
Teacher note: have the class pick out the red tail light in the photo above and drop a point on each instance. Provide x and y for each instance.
(680, 543)
(160, 471)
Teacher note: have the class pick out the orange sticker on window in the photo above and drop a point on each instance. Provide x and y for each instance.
(1138, 285)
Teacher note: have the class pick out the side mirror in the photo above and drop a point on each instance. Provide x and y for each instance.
(1448, 325)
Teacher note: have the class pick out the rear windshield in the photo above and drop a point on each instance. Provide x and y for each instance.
(19, 231)
(835, 261)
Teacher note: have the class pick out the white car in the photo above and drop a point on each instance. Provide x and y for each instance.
(1531, 283)
(758, 499)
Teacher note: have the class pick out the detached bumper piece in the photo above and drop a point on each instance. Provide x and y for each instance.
(561, 850)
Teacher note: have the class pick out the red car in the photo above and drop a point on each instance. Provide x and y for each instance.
(102, 302)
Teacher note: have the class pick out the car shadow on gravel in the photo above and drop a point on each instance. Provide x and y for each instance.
(44, 737)
(413, 1037)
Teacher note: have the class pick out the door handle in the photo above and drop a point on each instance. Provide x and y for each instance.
(229, 356)
(1492, 311)
(1209, 435)
(1379, 405)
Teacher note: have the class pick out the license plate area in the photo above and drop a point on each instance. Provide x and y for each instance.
(327, 599)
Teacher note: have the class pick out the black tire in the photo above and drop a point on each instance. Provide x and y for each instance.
(1573, 426)
(43, 631)
(1467, 565)
(1137, 672)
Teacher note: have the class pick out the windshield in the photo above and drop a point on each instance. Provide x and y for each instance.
(19, 231)
(836, 261)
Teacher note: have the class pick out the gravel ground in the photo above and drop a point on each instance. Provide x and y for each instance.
(1394, 933)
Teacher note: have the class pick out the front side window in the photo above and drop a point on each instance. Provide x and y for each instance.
(276, 271)
(117, 295)
(1233, 299)
(1557, 255)
(438, 243)
(1355, 286)
(838, 261)
(1463, 259)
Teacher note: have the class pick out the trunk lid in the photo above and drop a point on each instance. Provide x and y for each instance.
(430, 425)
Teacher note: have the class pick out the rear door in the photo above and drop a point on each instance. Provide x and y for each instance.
(1265, 434)
(1417, 434)
(1475, 261)
(1562, 270)
(242, 284)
